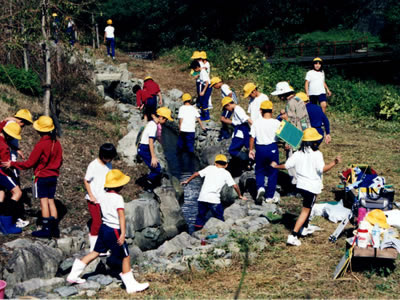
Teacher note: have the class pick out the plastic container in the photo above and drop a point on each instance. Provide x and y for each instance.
(3, 285)
(376, 236)
(362, 238)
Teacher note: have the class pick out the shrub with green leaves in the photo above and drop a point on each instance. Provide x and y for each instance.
(26, 82)
(390, 106)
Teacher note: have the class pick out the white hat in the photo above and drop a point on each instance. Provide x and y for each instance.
(282, 87)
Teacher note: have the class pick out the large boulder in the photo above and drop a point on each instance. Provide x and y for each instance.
(37, 260)
(141, 213)
(123, 90)
(127, 147)
(175, 245)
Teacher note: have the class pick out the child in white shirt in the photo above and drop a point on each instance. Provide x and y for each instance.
(215, 177)
(94, 184)
(112, 234)
(309, 164)
(315, 85)
(187, 116)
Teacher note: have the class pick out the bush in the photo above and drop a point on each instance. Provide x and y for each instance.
(27, 82)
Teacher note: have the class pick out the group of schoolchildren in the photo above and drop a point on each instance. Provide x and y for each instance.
(103, 184)
(256, 131)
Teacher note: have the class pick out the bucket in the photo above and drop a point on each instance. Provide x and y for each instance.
(3, 285)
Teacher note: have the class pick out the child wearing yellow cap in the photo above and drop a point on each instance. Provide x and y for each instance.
(146, 148)
(46, 160)
(263, 137)
(215, 177)
(109, 39)
(111, 234)
(309, 165)
(187, 116)
(256, 98)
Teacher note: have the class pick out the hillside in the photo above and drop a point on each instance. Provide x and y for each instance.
(279, 271)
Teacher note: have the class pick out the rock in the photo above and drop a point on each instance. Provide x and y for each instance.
(172, 219)
(66, 291)
(91, 268)
(101, 279)
(34, 284)
(215, 226)
(123, 67)
(222, 262)
(18, 243)
(108, 99)
(228, 195)
(177, 244)
(110, 104)
(100, 90)
(34, 261)
(235, 211)
(149, 238)
(136, 254)
(141, 213)
(176, 268)
(66, 264)
(89, 285)
(90, 293)
(219, 252)
(70, 245)
(107, 78)
(127, 147)
(208, 153)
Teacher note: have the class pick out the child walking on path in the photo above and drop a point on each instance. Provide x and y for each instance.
(109, 39)
(217, 83)
(215, 177)
(146, 147)
(315, 86)
(309, 164)
(46, 159)
(9, 210)
(266, 151)
(111, 234)
(187, 125)
(94, 183)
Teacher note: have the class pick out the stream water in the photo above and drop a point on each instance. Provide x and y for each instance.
(182, 166)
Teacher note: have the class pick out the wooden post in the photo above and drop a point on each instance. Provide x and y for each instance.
(97, 35)
(93, 33)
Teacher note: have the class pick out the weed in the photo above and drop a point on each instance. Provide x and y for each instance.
(10, 101)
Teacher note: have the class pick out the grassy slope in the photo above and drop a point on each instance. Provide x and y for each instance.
(279, 271)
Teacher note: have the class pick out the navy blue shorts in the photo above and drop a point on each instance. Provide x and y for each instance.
(7, 182)
(107, 240)
(318, 98)
(46, 187)
(308, 198)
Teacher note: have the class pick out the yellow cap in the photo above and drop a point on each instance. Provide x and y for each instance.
(221, 157)
(303, 96)
(203, 55)
(215, 80)
(266, 105)
(311, 134)
(317, 59)
(44, 124)
(147, 78)
(186, 97)
(248, 88)
(54, 14)
(164, 112)
(377, 216)
(196, 55)
(109, 21)
(115, 178)
(13, 130)
(25, 115)
(226, 100)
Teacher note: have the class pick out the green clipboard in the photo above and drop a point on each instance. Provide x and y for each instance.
(344, 263)
(290, 134)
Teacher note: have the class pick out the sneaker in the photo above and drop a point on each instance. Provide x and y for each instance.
(260, 196)
(272, 200)
(21, 223)
(293, 240)
(306, 231)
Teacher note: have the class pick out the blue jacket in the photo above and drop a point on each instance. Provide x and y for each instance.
(318, 118)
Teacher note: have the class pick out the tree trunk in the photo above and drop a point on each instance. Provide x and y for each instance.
(93, 33)
(47, 61)
(97, 36)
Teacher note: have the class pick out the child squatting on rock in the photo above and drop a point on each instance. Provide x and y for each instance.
(215, 177)
(112, 233)
(309, 164)
(94, 183)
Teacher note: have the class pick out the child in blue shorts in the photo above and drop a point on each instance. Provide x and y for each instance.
(112, 233)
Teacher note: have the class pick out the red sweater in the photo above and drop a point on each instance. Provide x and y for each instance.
(141, 97)
(45, 160)
(4, 155)
(151, 87)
